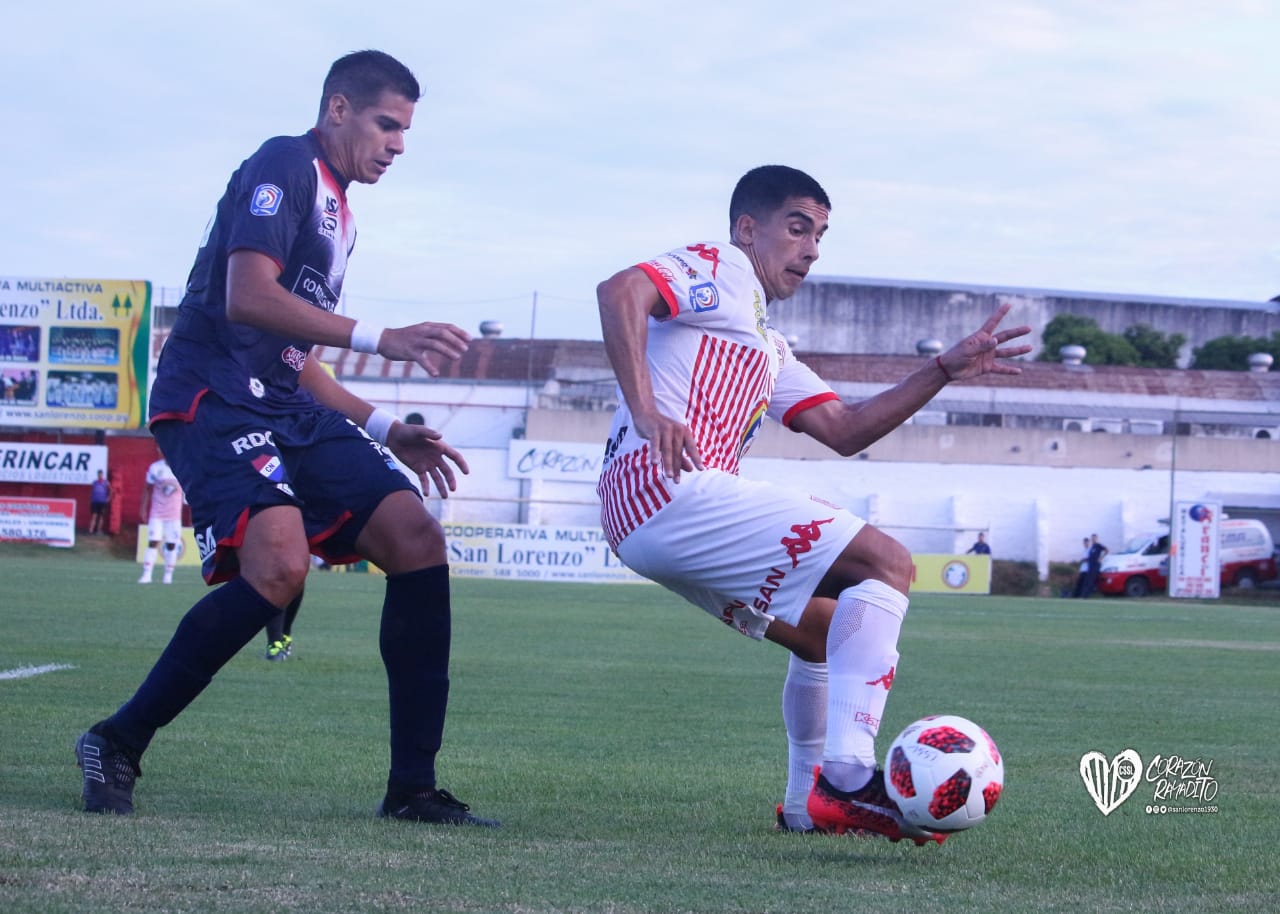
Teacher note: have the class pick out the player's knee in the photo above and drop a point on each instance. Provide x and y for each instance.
(892, 565)
(402, 537)
(280, 579)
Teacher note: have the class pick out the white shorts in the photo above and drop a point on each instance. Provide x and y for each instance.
(169, 531)
(746, 552)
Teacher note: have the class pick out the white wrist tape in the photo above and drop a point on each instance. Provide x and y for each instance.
(379, 423)
(365, 336)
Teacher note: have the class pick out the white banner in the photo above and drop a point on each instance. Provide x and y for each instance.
(526, 553)
(32, 461)
(570, 461)
(1194, 565)
(40, 520)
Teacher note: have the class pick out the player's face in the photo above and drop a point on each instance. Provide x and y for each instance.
(366, 142)
(784, 245)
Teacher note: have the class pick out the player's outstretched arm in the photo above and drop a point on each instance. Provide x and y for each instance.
(848, 428)
(627, 300)
(255, 297)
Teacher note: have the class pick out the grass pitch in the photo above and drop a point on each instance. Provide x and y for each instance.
(634, 750)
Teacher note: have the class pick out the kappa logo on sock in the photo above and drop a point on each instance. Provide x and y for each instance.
(886, 680)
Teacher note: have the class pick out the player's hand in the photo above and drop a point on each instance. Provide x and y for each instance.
(980, 352)
(671, 444)
(424, 451)
(428, 344)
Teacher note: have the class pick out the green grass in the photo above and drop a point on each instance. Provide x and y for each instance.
(634, 750)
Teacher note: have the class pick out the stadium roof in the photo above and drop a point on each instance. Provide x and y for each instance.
(1269, 305)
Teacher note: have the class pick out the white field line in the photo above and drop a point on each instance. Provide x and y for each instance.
(26, 672)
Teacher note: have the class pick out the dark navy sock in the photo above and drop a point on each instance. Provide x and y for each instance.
(281, 623)
(209, 635)
(291, 613)
(415, 649)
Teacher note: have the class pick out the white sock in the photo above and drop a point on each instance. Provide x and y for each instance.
(862, 657)
(804, 712)
(148, 562)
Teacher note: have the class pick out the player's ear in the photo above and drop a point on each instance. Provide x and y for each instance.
(337, 108)
(744, 229)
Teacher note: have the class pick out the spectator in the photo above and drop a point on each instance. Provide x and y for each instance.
(99, 501)
(980, 547)
(1090, 567)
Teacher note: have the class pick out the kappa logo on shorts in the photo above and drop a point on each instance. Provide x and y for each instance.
(266, 200)
(704, 297)
(805, 536)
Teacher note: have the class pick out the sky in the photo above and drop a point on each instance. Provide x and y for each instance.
(1085, 145)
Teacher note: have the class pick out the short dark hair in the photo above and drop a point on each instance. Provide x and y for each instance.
(362, 76)
(764, 189)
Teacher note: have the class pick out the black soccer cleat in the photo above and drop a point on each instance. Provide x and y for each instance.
(436, 806)
(109, 774)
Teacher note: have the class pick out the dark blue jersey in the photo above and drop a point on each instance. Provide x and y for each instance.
(284, 201)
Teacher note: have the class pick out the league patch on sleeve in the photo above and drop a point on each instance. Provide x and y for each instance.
(266, 200)
(704, 297)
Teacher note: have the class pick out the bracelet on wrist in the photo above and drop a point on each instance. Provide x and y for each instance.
(943, 368)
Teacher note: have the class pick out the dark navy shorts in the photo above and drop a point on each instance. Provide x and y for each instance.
(233, 462)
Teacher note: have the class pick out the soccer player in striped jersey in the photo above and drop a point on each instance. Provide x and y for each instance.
(699, 369)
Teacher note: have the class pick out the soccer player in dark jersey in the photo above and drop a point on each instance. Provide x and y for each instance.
(279, 460)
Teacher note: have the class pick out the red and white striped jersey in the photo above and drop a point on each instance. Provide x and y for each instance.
(716, 363)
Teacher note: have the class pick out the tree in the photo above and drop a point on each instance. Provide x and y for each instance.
(1155, 350)
(1101, 348)
(1231, 353)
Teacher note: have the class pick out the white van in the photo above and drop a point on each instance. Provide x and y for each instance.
(1245, 549)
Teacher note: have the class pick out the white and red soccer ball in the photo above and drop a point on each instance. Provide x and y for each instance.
(945, 773)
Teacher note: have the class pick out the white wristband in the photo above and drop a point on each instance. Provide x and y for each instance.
(379, 423)
(365, 336)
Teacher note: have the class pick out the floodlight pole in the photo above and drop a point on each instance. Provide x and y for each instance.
(1173, 464)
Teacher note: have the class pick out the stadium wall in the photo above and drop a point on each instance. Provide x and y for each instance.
(832, 314)
(932, 495)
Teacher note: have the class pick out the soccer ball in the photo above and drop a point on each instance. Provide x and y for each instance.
(945, 773)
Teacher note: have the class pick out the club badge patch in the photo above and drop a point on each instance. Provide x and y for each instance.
(266, 200)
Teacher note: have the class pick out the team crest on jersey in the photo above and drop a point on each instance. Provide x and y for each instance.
(269, 465)
(266, 200)
(704, 297)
